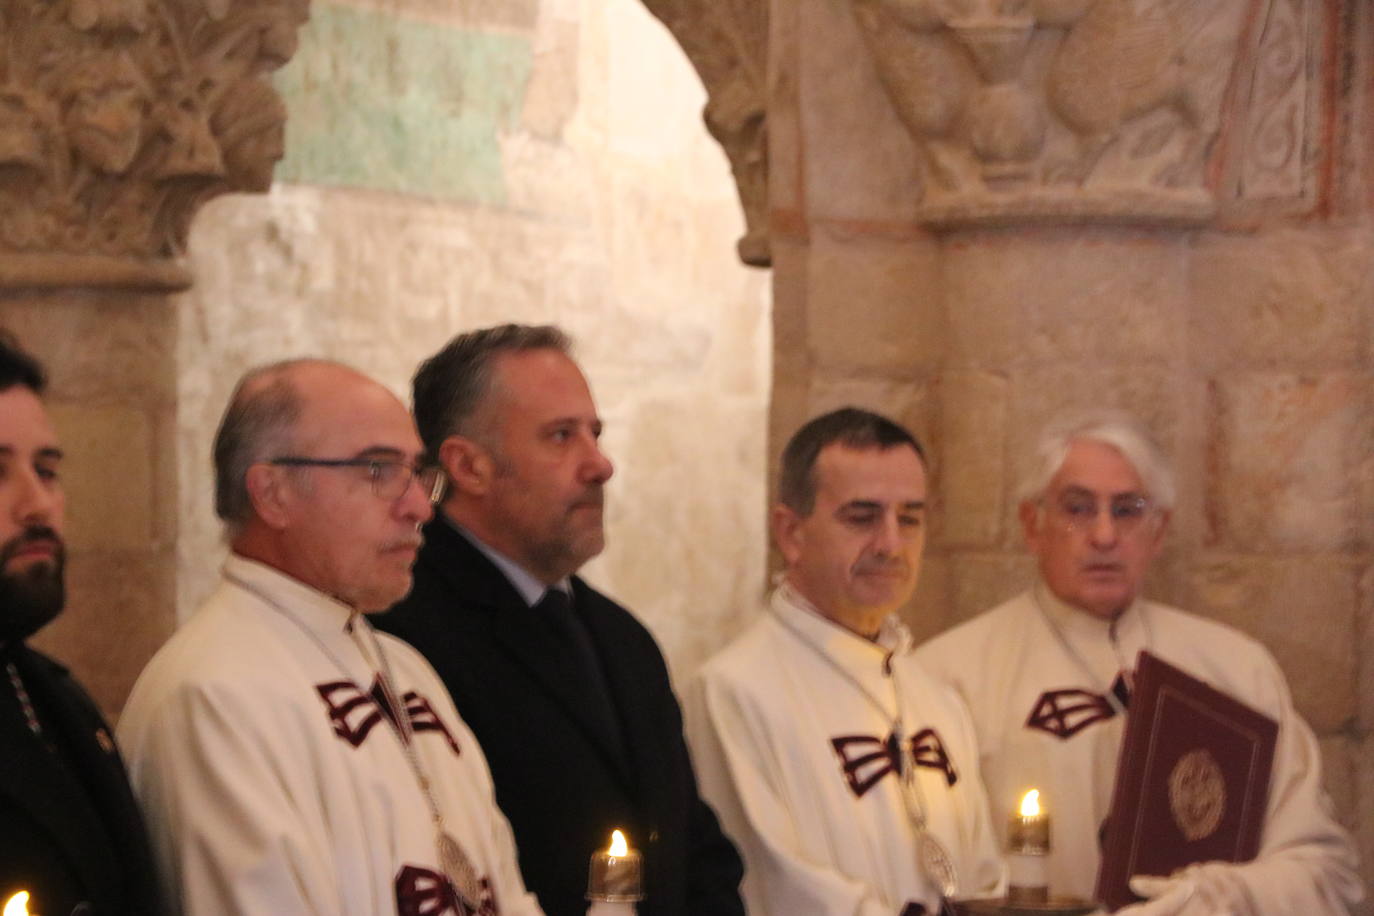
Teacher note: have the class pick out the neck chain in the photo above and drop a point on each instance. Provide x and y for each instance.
(1082, 663)
(791, 596)
(25, 703)
(932, 856)
(452, 857)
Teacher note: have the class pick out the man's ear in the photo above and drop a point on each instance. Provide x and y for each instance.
(787, 533)
(468, 466)
(268, 491)
(1161, 528)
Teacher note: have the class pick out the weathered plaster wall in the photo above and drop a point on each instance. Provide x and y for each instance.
(452, 165)
(1245, 342)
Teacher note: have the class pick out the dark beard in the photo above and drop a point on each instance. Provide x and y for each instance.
(29, 600)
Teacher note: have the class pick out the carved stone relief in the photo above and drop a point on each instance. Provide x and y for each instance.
(1278, 105)
(1035, 110)
(120, 118)
(727, 43)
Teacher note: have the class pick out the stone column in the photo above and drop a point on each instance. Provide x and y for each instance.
(984, 213)
(118, 120)
(727, 43)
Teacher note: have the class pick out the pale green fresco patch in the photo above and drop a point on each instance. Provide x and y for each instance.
(389, 104)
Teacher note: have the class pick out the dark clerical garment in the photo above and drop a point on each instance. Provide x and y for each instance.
(70, 830)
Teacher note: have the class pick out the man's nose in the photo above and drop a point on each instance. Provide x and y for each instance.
(414, 502)
(39, 500)
(887, 540)
(596, 468)
(1103, 531)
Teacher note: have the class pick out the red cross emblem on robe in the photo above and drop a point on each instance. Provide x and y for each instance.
(353, 714)
(1066, 711)
(866, 760)
(424, 892)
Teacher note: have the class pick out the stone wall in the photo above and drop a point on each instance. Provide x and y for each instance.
(954, 244)
(453, 165)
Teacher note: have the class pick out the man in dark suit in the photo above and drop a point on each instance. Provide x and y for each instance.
(566, 691)
(70, 833)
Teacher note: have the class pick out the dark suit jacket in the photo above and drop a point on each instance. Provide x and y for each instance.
(562, 787)
(70, 830)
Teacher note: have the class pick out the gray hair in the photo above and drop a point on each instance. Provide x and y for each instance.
(1108, 427)
(258, 424)
(451, 386)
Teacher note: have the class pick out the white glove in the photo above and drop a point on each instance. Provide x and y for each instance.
(1208, 889)
(1171, 896)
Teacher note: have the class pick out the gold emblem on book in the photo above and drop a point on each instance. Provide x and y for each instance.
(1197, 794)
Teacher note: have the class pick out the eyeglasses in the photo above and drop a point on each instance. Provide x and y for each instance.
(390, 477)
(1079, 511)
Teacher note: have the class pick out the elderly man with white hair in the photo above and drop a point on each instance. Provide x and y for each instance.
(1047, 678)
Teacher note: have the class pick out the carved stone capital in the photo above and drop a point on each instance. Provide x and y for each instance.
(727, 43)
(119, 119)
(1060, 110)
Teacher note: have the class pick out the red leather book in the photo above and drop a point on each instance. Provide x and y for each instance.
(1192, 780)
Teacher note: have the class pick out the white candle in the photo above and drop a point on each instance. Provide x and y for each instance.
(614, 879)
(1027, 871)
(1028, 846)
(603, 908)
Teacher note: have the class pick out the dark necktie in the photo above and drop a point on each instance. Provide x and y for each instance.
(556, 609)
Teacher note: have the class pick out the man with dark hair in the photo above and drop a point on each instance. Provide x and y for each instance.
(567, 692)
(848, 775)
(291, 760)
(70, 833)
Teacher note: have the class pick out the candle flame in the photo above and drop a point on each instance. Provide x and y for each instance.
(619, 847)
(17, 905)
(1030, 804)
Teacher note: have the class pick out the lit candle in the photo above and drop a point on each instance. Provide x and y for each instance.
(613, 879)
(18, 905)
(1028, 845)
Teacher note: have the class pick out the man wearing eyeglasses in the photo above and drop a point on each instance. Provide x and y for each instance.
(1047, 677)
(290, 759)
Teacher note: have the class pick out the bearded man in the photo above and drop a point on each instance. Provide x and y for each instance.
(71, 838)
(565, 690)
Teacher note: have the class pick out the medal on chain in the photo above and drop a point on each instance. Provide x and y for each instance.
(453, 859)
(933, 858)
(460, 871)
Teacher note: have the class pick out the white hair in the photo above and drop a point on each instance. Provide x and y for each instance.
(1109, 427)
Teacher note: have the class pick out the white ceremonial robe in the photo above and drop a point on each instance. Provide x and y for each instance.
(1008, 664)
(272, 781)
(819, 836)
